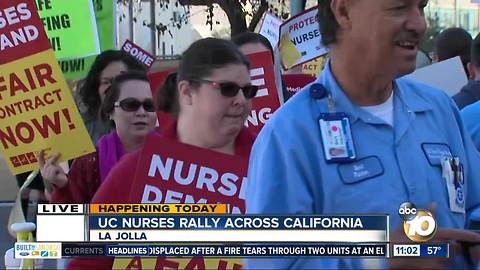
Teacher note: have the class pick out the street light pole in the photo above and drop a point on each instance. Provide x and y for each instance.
(153, 29)
(130, 18)
(297, 6)
(455, 12)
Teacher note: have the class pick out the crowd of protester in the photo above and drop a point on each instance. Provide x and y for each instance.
(394, 123)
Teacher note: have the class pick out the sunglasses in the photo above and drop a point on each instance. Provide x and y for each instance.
(133, 104)
(230, 89)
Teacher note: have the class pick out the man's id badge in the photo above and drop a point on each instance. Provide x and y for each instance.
(453, 174)
(337, 137)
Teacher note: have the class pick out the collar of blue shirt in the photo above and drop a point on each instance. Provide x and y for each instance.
(406, 98)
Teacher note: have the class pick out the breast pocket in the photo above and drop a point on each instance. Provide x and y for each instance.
(446, 176)
(435, 152)
(360, 170)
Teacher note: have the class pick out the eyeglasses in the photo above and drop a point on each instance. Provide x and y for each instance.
(230, 89)
(133, 104)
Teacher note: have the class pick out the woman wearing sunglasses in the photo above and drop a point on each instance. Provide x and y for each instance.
(128, 104)
(91, 93)
(210, 102)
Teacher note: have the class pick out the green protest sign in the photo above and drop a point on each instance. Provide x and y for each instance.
(70, 26)
(105, 18)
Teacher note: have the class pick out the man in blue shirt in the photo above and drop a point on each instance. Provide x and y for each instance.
(402, 131)
(471, 119)
(470, 93)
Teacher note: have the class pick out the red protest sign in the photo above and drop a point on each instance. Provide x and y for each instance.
(138, 53)
(156, 81)
(294, 82)
(21, 32)
(165, 119)
(266, 101)
(173, 172)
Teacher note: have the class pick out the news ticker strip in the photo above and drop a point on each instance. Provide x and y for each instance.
(37, 250)
(60, 250)
(421, 250)
(123, 209)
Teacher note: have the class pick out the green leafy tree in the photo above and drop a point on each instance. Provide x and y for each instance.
(240, 17)
(433, 29)
(237, 13)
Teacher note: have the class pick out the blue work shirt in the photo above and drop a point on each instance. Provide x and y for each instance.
(288, 173)
(471, 119)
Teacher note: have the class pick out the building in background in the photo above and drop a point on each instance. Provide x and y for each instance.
(135, 17)
(460, 13)
(154, 27)
(176, 27)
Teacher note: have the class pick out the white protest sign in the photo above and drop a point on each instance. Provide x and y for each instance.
(300, 39)
(447, 75)
(271, 28)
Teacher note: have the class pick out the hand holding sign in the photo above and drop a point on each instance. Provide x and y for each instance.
(51, 171)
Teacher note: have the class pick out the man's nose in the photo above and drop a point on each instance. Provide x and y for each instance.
(416, 22)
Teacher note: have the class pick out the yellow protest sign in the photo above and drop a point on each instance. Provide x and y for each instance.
(290, 54)
(315, 66)
(303, 34)
(37, 110)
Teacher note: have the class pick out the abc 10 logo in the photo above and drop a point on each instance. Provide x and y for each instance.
(419, 225)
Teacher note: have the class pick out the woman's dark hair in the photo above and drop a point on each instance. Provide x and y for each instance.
(198, 61)
(451, 42)
(251, 37)
(88, 91)
(475, 51)
(328, 24)
(206, 55)
(166, 98)
(113, 92)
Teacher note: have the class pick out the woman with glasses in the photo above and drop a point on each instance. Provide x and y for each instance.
(91, 93)
(129, 106)
(210, 101)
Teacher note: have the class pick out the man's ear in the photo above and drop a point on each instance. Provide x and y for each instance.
(472, 70)
(341, 11)
(185, 92)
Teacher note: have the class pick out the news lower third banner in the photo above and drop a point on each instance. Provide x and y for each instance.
(200, 223)
(209, 230)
